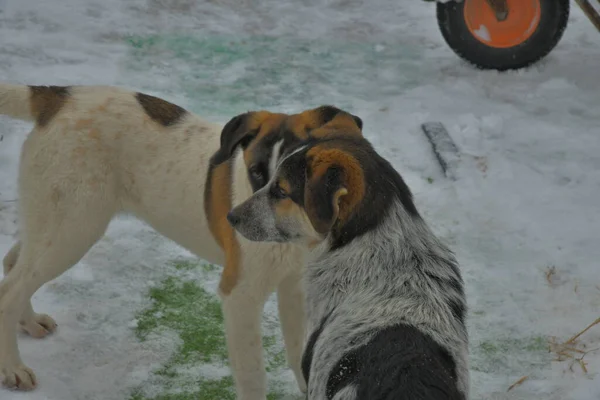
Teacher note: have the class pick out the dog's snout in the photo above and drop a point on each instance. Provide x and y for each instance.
(232, 218)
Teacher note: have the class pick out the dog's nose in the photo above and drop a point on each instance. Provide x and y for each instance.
(233, 219)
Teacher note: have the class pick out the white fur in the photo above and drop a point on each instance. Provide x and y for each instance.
(274, 157)
(102, 155)
(349, 392)
(377, 286)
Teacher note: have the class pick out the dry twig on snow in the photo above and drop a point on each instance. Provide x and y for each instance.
(517, 383)
(572, 350)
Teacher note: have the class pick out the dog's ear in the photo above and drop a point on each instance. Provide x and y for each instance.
(334, 187)
(236, 132)
(328, 113)
(332, 121)
(324, 121)
(358, 121)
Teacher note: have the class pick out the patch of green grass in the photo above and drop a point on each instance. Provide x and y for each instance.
(517, 355)
(275, 355)
(532, 344)
(195, 315)
(191, 311)
(429, 179)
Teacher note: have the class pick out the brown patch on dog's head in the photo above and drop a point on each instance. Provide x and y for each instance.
(324, 121)
(264, 136)
(242, 129)
(159, 110)
(335, 185)
(46, 102)
(257, 133)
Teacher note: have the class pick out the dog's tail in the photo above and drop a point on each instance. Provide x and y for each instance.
(31, 103)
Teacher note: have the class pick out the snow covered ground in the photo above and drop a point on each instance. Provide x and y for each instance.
(523, 215)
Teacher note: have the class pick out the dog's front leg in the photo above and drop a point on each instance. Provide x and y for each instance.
(290, 300)
(242, 309)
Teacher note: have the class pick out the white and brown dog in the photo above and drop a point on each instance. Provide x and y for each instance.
(386, 306)
(98, 151)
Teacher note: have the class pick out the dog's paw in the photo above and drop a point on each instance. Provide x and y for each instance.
(39, 326)
(18, 377)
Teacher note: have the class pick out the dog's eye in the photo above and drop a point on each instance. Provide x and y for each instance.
(278, 192)
(258, 176)
(256, 173)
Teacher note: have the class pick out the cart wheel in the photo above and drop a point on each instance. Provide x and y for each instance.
(512, 35)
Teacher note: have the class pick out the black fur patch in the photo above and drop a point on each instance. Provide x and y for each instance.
(399, 363)
(160, 110)
(323, 191)
(309, 348)
(46, 101)
(458, 308)
(328, 113)
(233, 134)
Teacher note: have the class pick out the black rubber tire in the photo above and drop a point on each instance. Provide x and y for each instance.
(553, 22)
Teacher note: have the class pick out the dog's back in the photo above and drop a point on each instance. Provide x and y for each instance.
(135, 151)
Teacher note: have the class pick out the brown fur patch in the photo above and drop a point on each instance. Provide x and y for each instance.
(286, 207)
(266, 123)
(341, 124)
(46, 102)
(160, 110)
(313, 123)
(94, 134)
(301, 123)
(83, 123)
(217, 203)
(345, 197)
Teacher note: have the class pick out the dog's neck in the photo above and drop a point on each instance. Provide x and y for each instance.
(401, 244)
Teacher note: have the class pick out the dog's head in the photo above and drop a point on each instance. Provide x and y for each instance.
(334, 185)
(266, 137)
(318, 188)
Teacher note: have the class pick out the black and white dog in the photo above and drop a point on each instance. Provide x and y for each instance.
(385, 297)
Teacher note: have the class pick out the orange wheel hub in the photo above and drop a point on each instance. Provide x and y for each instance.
(521, 22)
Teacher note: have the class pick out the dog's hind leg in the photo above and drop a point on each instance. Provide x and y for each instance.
(58, 226)
(290, 300)
(44, 256)
(36, 325)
